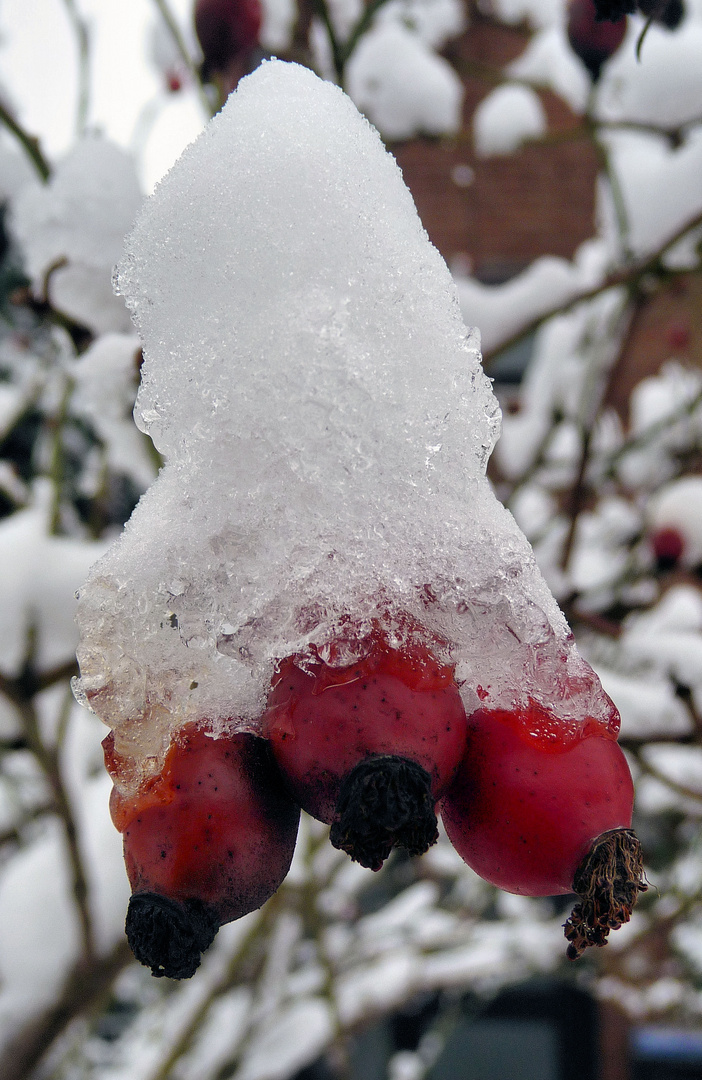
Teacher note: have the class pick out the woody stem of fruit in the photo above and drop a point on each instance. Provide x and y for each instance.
(608, 882)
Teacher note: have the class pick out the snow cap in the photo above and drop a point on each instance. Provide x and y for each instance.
(326, 426)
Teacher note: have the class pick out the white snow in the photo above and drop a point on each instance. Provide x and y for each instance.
(402, 86)
(435, 21)
(509, 116)
(549, 61)
(648, 706)
(106, 377)
(326, 426)
(501, 310)
(39, 575)
(678, 506)
(73, 227)
(661, 187)
(665, 87)
(39, 934)
(294, 1038)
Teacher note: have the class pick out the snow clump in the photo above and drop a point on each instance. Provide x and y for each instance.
(326, 426)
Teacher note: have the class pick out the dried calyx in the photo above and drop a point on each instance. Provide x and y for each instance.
(608, 882)
(384, 802)
(168, 935)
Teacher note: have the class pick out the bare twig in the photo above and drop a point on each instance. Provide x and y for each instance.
(629, 276)
(29, 143)
(85, 988)
(80, 28)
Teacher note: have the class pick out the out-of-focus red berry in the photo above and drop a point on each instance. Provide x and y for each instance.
(593, 40)
(668, 546)
(174, 83)
(227, 31)
(678, 335)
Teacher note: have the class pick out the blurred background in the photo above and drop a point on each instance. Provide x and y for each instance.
(560, 176)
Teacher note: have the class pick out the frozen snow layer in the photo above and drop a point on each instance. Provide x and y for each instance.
(508, 117)
(326, 426)
(71, 231)
(402, 86)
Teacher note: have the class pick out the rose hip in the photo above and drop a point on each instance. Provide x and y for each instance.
(206, 841)
(541, 807)
(370, 747)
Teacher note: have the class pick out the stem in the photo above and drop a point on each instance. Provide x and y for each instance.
(589, 413)
(630, 276)
(363, 24)
(321, 10)
(84, 989)
(21, 691)
(29, 143)
(80, 28)
(179, 41)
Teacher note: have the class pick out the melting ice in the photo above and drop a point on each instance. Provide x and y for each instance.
(326, 426)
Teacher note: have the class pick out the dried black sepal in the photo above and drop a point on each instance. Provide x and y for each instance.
(608, 882)
(384, 802)
(169, 935)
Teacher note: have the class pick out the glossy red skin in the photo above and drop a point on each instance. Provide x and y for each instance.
(321, 725)
(215, 825)
(523, 811)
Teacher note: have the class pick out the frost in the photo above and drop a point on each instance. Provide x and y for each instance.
(326, 426)
(508, 117)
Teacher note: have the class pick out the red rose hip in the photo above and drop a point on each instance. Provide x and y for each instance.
(541, 807)
(206, 841)
(369, 748)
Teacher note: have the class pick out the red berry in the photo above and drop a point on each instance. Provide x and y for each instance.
(206, 841)
(370, 747)
(226, 29)
(668, 546)
(679, 334)
(591, 38)
(531, 796)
